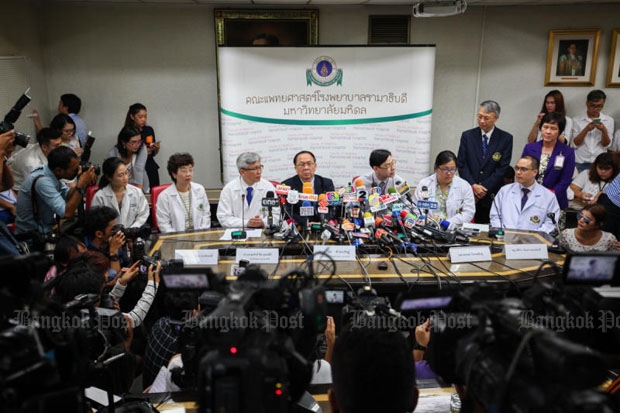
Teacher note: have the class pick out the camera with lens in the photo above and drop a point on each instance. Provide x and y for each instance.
(86, 165)
(11, 117)
(146, 261)
(143, 232)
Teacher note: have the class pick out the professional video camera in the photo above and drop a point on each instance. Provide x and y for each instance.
(508, 363)
(252, 353)
(11, 117)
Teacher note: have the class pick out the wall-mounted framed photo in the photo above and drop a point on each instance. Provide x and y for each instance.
(266, 27)
(571, 57)
(613, 71)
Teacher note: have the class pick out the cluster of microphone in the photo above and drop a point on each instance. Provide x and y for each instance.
(357, 215)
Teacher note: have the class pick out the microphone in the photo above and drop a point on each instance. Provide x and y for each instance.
(404, 190)
(306, 188)
(424, 193)
(333, 231)
(360, 190)
(556, 248)
(323, 208)
(387, 237)
(241, 234)
(306, 210)
(380, 224)
(497, 233)
(460, 236)
(270, 201)
(399, 222)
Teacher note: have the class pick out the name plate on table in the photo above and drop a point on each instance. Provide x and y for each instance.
(197, 258)
(427, 204)
(479, 227)
(336, 252)
(526, 251)
(258, 255)
(469, 254)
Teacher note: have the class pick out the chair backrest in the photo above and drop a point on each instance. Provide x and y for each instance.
(155, 191)
(90, 194)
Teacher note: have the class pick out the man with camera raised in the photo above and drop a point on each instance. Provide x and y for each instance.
(34, 155)
(44, 199)
(99, 228)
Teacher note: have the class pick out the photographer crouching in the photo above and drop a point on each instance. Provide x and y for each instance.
(44, 200)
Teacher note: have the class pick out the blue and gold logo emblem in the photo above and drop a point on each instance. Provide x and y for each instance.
(324, 72)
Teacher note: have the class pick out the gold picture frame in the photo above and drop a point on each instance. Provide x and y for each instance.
(572, 57)
(613, 70)
(273, 27)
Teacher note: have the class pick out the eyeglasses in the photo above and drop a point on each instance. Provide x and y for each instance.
(256, 168)
(522, 169)
(585, 218)
(68, 131)
(390, 165)
(448, 171)
(304, 164)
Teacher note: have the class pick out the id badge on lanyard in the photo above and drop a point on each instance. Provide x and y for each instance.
(559, 162)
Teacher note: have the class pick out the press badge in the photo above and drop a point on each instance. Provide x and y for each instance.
(559, 162)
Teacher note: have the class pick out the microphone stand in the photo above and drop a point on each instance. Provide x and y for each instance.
(558, 240)
(270, 230)
(241, 234)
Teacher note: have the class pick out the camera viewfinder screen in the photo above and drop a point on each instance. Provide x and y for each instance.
(591, 268)
(425, 303)
(186, 281)
(334, 296)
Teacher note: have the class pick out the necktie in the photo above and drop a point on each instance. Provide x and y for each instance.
(382, 187)
(248, 197)
(524, 197)
(485, 145)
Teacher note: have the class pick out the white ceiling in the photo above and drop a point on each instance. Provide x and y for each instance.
(243, 3)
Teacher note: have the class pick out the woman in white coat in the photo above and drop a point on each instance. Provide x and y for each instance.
(453, 195)
(183, 206)
(127, 200)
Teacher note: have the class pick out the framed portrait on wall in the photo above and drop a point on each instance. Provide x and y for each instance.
(571, 57)
(266, 27)
(613, 70)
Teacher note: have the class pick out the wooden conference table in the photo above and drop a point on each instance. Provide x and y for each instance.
(402, 268)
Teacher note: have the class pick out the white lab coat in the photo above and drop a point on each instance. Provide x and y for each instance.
(460, 205)
(231, 204)
(134, 208)
(534, 215)
(171, 212)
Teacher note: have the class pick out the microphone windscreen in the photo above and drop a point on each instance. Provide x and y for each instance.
(359, 182)
(392, 190)
(270, 194)
(322, 197)
(306, 188)
(378, 222)
(306, 204)
(403, 213)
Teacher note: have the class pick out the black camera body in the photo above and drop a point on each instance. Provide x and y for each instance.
(143, 232)
(86, 165)
(11, 117)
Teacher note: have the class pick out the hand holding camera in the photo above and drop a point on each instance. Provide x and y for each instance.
(116, 241)
(7, 142)
(87, 177)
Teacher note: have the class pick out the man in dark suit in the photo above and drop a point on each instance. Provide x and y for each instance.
(305, 165)
(484, 155)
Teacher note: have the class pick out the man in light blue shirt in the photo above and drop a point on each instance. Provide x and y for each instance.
(44, 199)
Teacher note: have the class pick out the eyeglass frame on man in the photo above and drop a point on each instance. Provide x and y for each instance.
(390, 165)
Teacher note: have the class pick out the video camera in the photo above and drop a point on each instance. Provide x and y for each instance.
(252, 352)
(510, 358)
(85, 165)
(11, 117)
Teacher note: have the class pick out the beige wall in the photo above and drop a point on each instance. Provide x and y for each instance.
(164, 57)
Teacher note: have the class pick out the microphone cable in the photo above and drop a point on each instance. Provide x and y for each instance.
(503, 277)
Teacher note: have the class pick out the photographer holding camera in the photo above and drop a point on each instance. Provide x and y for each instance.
(44, 199)
(98, 226)
(34, 155)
